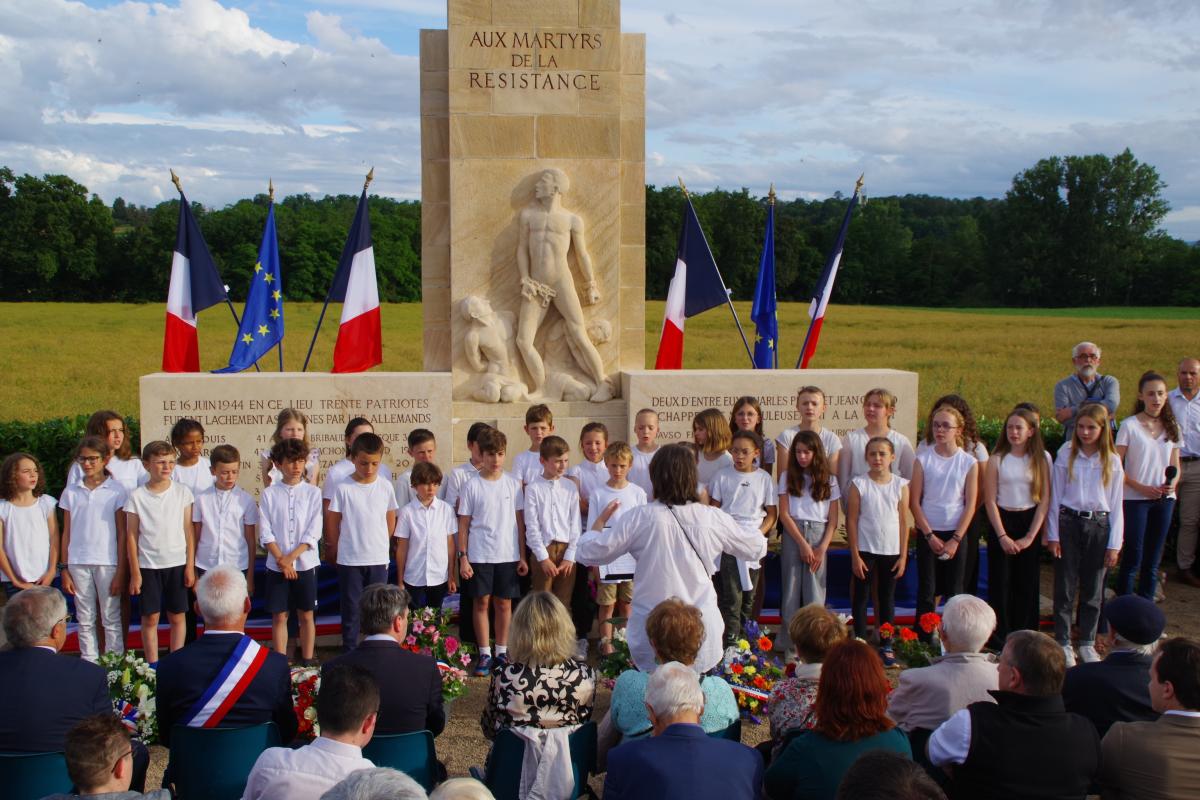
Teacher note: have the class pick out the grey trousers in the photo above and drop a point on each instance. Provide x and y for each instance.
(1080, 572)
(801, 584)
(1189, 515)
(736, 605)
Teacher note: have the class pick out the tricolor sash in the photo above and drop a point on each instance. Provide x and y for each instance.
(228, 686)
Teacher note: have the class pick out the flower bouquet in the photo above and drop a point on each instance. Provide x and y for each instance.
(907, 644)
(619, 660)
(752, 672)
(428, 634)
(131, 685)
(306, 682)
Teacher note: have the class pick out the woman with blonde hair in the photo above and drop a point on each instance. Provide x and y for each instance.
(543, 685)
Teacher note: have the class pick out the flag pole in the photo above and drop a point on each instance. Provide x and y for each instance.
(728, 299)
(237, 323)
(370, 177)
(271, 195)
(771, 203)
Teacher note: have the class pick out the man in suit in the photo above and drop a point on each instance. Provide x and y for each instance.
(1117, 688)
(680, 760)
(185, 675)
(1158, 760)
(410, 685)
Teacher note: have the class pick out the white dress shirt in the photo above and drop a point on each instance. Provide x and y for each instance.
(427, 561)
(289, 516)
(1187, 414)
(224, 515)
(306, 773)
(1084, 490)
(551, 515)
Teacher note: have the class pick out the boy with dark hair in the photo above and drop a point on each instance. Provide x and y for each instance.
(161, 547)
(425, 541)
(539, 423)
(289, 527)
(422, 448)
(362, 518)
(491, 544)
(469, 469)
(225, 516)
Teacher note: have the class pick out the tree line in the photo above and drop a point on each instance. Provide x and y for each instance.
(1071, 231)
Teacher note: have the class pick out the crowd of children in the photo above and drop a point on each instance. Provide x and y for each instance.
(151, 526)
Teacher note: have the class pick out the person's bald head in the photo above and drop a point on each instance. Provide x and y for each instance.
(1189, 375)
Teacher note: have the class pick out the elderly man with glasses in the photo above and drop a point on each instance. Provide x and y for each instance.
(1085, 386)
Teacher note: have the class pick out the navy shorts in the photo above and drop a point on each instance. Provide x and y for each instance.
(497, 580)
(163, 590)
(300, 594)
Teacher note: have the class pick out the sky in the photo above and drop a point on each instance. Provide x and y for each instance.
(935, 97)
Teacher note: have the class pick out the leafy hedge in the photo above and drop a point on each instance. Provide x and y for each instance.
(52, 442)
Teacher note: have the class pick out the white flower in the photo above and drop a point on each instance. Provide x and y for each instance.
(143, 692)
(310, 713)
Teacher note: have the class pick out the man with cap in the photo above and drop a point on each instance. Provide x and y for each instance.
(1117, 688)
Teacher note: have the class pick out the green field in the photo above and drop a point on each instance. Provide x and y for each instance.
(63, 359)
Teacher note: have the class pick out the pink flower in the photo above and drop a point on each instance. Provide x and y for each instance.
(434, 636)
(465, 658)
(451, 645)
(410, 640)
(417, 627)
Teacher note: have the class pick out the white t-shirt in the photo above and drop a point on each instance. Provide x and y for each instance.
(93, 522)
(492, 506)
(130, 473)
(342, 470)
(639, 471)
(290, 516)
(223, 514)
(879, 515)
(829, 441)
(527, 465)
(452, 486)
(804, 508)
(978, 450)
(402, 484)
(630, 496)
(943, 486)
(744, 496)
(551, 515)
(853, 462)
(706, 470)
(162, 540)
(1146, 457)
(590, 475)
(1014, 482)
(427, 562)
(364, 539)
(197, 477)
(27, 537)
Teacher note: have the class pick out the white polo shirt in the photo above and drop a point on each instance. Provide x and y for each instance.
(744, 496)
(427, 562)
(492, 506)
(223, 514)
(551, 515)
(27, 537)
(93, 522)
(162, 541)
(290, 516)
(364, 539)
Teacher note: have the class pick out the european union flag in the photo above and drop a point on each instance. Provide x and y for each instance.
(766, 321)
(262, 318)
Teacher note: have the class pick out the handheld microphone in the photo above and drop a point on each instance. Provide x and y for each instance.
(1171, 471)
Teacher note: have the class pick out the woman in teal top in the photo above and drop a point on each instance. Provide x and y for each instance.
(675, 631)
(851, 711)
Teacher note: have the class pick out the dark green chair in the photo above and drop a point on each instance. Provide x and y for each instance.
(503, 773)
(733, 733)
(411, 753)
(213, 763)
(29, 776)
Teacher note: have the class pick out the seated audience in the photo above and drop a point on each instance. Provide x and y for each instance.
(461, 789)
(675, 631)
(680, 759)
(1117, 688)
(881, 775)
(812, 630)
(1025, 744)
(185, 675)
(543, 685)
(99, 759)
(1160, 759)
(347, 707)
(410, 685)
(44, 695)
(852, 719)
(927, 696)
(377, 783)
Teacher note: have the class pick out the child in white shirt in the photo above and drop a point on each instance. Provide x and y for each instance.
(645, 429)
(810, 405)
(466, 471)
(424, 535)
(422, 448)
(342, 469)
(590, 473)
(539, 423)
(362, 519)
(552, 522)
(187, 437)
(28, 527)
(607, 504)
(225, 516)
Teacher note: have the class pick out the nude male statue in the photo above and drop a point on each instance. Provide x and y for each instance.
(547, 231)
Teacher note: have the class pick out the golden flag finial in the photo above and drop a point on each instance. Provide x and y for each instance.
(370, 177)
(271, 189)
(685, 191)
(175, 180)
(859, 183)
(771, 195)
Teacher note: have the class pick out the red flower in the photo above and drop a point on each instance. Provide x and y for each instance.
(759, 682)
(907, 635)
(736, 668)
(929, 622)
(886, 630)
(764, 643)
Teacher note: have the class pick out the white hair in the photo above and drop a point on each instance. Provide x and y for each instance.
(31, 614)
(968, 622)
(461, 789)
(379, 783)
(221, 594)
(1075, 350)
(674, 689)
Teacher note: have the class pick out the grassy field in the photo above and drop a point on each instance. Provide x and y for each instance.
(65, 359)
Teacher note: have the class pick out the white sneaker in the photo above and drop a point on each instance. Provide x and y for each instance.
(1069, 652)
(581, 649)
(1088, 654)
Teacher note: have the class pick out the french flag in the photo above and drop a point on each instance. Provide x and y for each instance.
(360, 338)
(195, 286)
(824, 288)
(696, 287)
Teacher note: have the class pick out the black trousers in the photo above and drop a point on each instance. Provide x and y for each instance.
(937, 577)
(1014, 587)
(879, 571)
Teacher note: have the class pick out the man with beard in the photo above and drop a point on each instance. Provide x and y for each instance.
(1087, 385)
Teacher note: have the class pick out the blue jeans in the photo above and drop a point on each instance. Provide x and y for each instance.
(1146, 526)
